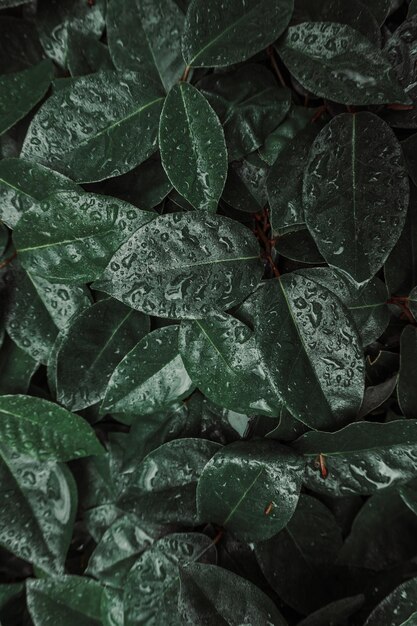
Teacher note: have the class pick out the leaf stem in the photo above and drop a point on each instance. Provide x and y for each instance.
(8, 260)
(186, 73)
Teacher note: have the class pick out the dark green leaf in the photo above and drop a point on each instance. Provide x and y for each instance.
(320, 370)
(297, 562)
(245, 187)
(397, 607)
(222, 357)
(362, 458)
(401, 266)
(71, 236)
(145, 35)
(24, 184)
(357, 220)
(407, 390)
(16, 368)
(54, 18)
(409, 150)
(213, 596)
(336, 62)
(66, 600)
(38, 505)
(412, 302)
(19, 45)
(336, 612)
(114, 124)
(193, 148)
(95, 350)
(222, 33)
(150, 378)
(193, 284)
(299, 246)
(20, 92)
(380, 8)
(251, 488)
(86, 54)
(376, 395)
(156, 573)
(162, 488)
(45, 431)
(249, 104)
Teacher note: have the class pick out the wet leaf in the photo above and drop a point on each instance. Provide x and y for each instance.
(193, 148)
(299, 246)
(66, 600)
(222, 33)
(16, 368)
(151, 377)
(321, 380)
(358, 152)
(19, 45)
(211, 596)
(397, 607)
(94, 351)
(162, 488)
(192, 285)
(336, 62)
(113, 120)
(245, 187)
(20, 92)
(400, 268)
(407, 393)
(71, 236)
(146, 35)
(335, 612)
(222, 358)
(86, 54)
(39, 502)
(250, 488)
(297, 562)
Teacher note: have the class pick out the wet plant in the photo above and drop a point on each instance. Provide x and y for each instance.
(208, 330)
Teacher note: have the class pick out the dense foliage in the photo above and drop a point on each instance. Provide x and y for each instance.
(208, 282)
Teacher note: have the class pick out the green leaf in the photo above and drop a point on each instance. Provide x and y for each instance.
(409, 147)
(146, 35)
(119, 549)
(66, 600)
(249, 105)
(193, 148)
(162, 488)
(16, 368)
(86, 54)
(38, 505)
(380, 8)
(384, 534)
(19, 45)
(397, 607)
(357, 220)
(95, 350)
(400, 268)
(45, 431)
(191, 285)
(156, 573)
(299, 246)
(335, 612)
(71, 236)
(336, 62)
(407, 393)
(222, 33)
(245, 187)
(250, 488)
(298, 561)
(213, 596)
(362, 458)
(24, 184)
(54, 18)
(114, 124)
(320, 370)
(150, 378)
(20, 92)
(222, 358)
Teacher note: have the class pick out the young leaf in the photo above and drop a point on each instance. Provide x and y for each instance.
(24, 184)
(45, 431)
(38, 506)
(213, 264)
(150, 378)
(20, 92)
(222, 358)
(95, 350)
(193, 148)
(268, 477)
(320, 369)
(157, 573)
(71, 236)
(298, 561)
(223, 33)
(364, 209)
(114, 124)
(336, 62)
(212, 595)
(397, 607)
(65, 600)
(407, 392)
(162, 488)
(146, 35)
(362, 458)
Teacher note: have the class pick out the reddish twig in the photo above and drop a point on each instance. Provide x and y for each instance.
(8, 260)
(185, 75)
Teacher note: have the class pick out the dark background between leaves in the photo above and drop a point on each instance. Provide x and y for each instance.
(208, 346)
